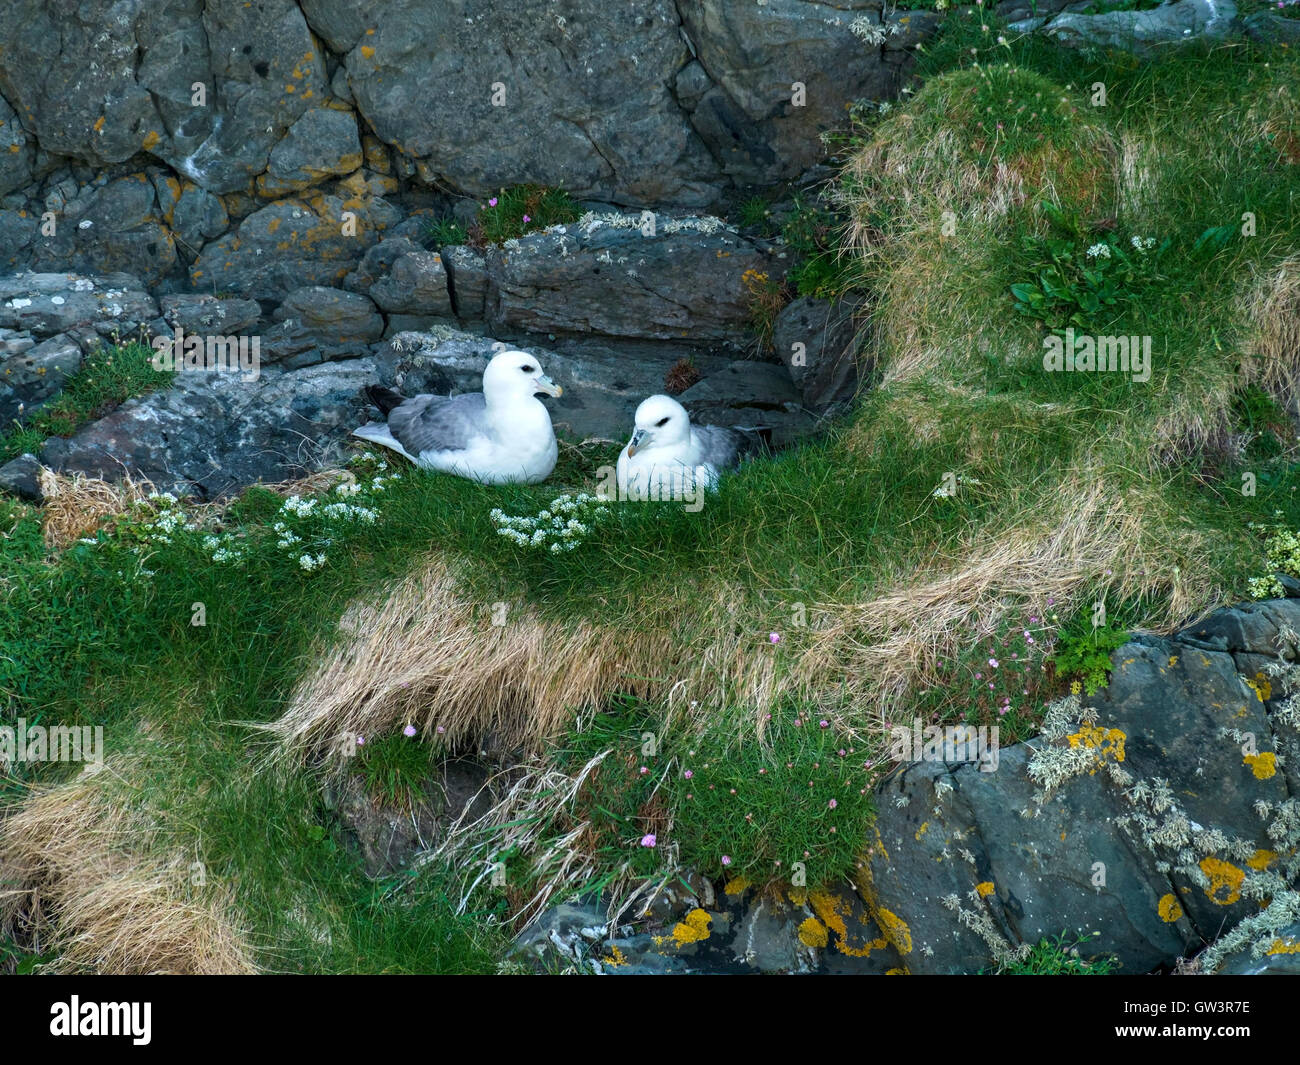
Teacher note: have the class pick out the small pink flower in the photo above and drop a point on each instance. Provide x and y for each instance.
(979, 676)
(832, 804)
(824, 723)
(644, 770)
(527, 219)
(841, 752)
(649, 840)
(993, 662)
(689, 773)
(492, 202)
(797, 722)
(361, 741)
(441, 730)
(726, 859)
(408, 731)
(762, 772)
(773, 637)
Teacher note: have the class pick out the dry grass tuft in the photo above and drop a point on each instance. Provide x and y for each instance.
(1272, 351)
(78, 878)
(76, 505)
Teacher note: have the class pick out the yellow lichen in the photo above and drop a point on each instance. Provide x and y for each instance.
(812, 933)
(984, 889)
(1225, 881)
(1261, 859)
(896, 931)
(694, 928)
(735, 886)
(1104, 741)
(1284, 946)
(1260, 686)
(1263, 765)
(1169, 909)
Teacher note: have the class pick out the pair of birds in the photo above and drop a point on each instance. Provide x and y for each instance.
(503, 434)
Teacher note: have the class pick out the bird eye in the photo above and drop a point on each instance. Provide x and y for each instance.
(528, 369)
(661, 423)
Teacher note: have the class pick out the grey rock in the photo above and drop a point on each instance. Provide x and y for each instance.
(21, 477)
(1138, 31)
(687, 282)
(197, 313)
(467, 281)
(569, 118)
(116, 227)
(336, 316)
(45, 304)
(752, 394)
(756, 52)
(1267, 28)
(288, 244)
(323, 143)
(100, 82)
(817, 340)
(214, 432)
(390, 835)
(416, 284)
(199, 216)
(17, 151)
(1281, 957)
(30, 377)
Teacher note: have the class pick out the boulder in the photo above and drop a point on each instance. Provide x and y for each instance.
(689, 281)
(579, 99)
(197, 313)
(1137, 31)
(416, 284)
(288, 244)
(45, 304)
(21, 477)
(335, 316)
(30, 377)
(323, 143)
(818, 340)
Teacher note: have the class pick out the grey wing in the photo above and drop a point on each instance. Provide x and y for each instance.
(725, 448)
(435, 423)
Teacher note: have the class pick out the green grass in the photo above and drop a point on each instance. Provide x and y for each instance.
(1060, 957)
(109, 376)
(394, 768)
(442, 232)
(522, 209)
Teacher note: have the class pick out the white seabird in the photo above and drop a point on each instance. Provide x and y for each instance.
(498, 436)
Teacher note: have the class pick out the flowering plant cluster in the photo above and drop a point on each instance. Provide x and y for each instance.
(560, 527)
(1282, 549)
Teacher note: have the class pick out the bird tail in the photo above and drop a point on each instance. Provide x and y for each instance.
(384, 398)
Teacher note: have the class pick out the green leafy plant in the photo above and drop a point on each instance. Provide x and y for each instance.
(1083, 651)
(813, 233)
(755, 212)
(1082, 279)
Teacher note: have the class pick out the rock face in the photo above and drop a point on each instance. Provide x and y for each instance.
(1137, 31)
(604, 275)
(1150, 820)
(818, 343)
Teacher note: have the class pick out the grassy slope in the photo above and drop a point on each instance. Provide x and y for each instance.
(848, 527)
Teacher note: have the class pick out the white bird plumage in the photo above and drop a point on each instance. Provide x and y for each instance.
(668, 456)
(498, 436)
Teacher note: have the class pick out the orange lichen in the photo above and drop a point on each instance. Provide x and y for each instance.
(1263, 765)
(812, 933)
(1103, 741)
(1169, 909)
(1261, 687)
(1225, 881)
(1261, 859)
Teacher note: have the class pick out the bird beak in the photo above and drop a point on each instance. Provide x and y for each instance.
(634, 445)
(545, 384)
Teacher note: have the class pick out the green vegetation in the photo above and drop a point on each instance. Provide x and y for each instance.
(522, 209)
(109, 376)
(969, 498)
(1060, 957)
(445, 231)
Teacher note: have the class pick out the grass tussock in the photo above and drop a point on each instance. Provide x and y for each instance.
(1272, 353)
(83, 883)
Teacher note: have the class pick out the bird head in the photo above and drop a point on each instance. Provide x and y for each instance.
(660, 422)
